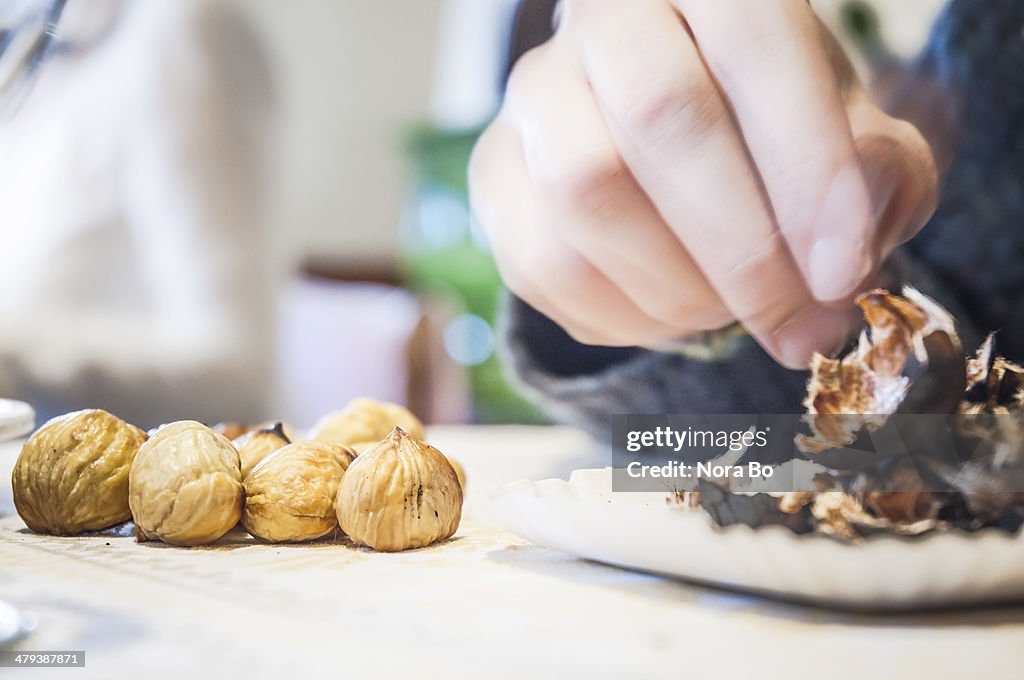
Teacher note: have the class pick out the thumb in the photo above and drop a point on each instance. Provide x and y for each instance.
(902, 179)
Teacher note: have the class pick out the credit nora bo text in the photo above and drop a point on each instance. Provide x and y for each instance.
(667, 437)
(677, 470)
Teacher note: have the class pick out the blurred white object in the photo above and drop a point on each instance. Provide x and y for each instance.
(471, 54)
(14, 625)
(26, 32)
(350, 76)
(16, 419)
(133, 270)
(339, 341)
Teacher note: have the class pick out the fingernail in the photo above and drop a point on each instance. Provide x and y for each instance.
(839, 260)
(817, 330)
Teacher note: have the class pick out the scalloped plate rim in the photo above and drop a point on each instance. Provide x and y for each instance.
(570, 517)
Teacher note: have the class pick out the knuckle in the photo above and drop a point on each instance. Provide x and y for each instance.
(673, 309)
(688, 105)
(516, 277)
(585, 181)
(479, 158)
(755, 282)
(485, 172)
(519, 284)
(554, 279)
(757, 257)
(571, 279)
(564, 269)
(522, 80)
(772, 315)
(778, 322)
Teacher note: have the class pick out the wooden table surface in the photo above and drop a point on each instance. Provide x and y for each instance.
(486, 604)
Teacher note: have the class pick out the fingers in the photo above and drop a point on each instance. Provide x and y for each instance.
(782, 86)
(650, 176)
(585, 191)
(537, 265)
(677, 136)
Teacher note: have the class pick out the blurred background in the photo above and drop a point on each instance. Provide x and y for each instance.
(242, 210)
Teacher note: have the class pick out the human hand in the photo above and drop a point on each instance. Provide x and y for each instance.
(663, 167)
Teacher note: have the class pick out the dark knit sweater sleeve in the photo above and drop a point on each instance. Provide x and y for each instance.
(584, 385)
(969, 257)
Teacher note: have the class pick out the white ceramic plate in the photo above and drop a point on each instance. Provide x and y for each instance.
(642, 531)
(16, 419)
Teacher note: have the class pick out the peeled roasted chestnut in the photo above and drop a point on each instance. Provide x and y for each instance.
(72, 474)
(255, 445)
(231, 430)
(400, 494)
(459, 472)
(185, 486)
(285, 428)
(364, 420)
(290, 495)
